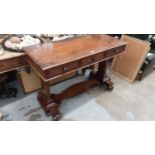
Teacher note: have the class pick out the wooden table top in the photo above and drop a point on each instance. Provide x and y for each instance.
(54, 54)
(9, 55)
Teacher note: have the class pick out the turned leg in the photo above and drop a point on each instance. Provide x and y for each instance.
(46, 101)
(102, 76)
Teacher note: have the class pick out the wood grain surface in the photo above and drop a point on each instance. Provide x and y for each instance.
(53, 54)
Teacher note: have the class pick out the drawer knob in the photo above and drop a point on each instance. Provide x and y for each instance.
(65, 68)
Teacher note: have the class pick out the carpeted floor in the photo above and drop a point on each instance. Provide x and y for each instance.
(126, 102)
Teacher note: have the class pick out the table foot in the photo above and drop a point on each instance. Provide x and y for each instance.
(49, 106)
(55, 115)
(102, 76)
(108, 83)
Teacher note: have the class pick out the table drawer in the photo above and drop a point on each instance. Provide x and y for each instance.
(70, 66)
(12, 64)
(54, 71)
(62, 69)
(115, 51)
(120, 49)
(110, 53)
(86, 61)
(98, 57)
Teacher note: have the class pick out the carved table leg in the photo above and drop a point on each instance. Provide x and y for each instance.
(46, 101)
(102, 76)
(50, 102)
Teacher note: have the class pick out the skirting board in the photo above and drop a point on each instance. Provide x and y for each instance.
(128, 64)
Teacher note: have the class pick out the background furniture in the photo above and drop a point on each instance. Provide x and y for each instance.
(5, 90)
(149, 62)
(129, 63)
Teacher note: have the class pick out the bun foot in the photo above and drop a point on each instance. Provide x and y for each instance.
(109, 87)
(55, 113)
(57, 117)
(108, 83)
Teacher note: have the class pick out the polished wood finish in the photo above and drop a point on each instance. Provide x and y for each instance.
(47, 102)
(56, 59)
(76, 89)
(10, 64)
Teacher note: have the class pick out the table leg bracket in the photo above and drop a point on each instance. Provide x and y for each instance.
(49, 106)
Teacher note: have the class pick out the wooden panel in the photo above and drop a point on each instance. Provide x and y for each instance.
(128, 64)
(29, 81)
(12, 64)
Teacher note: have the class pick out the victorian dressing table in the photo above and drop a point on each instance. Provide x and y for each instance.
(55, 59)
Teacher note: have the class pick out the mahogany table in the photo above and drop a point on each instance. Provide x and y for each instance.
(52, 60)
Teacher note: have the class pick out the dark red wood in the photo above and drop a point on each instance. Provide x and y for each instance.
(14, 63)
(56, 59)
(47, 102)
(102, 76)
(74, 90)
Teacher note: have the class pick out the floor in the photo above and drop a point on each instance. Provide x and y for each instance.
(127, 102)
